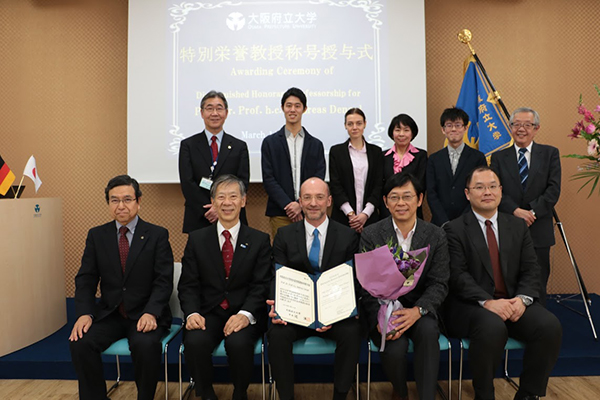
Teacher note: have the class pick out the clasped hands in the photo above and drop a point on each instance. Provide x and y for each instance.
(507, 309)
(235, 323)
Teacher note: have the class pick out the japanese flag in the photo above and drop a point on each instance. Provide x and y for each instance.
(31, 172)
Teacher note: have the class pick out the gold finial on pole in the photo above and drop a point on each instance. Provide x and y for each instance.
(465, 36)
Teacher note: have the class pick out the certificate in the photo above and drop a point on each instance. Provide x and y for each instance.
(314, 301)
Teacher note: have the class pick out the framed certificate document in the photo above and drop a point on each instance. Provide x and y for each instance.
(314, 301)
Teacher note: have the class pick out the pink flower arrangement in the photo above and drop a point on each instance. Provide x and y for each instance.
(588, 128)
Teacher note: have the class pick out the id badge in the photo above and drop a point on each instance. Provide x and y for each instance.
(206, 183)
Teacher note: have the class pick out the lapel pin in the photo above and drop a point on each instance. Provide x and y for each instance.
(229, 147)
(244, 245)
(141, 237)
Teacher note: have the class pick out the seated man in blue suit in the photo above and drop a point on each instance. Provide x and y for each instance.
(447, 169)
(133, 262)
(289, 157)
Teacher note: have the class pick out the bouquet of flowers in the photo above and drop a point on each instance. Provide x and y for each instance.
(588, 128)
(388, 273)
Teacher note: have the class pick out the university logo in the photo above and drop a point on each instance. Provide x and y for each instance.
(235, 21)
(37, 208)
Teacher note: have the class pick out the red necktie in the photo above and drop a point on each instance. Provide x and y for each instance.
(227, 252)
(214, 148)
(500, 287)
(123, 253)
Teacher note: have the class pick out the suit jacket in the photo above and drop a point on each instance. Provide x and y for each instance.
(471, 275)
(203, 285)
(446, 191)
(195, 160)
(147, 283)
(542, 190)
(341, 176)
(432, 288)
(277, 168)
(289, 247)
(417, 167)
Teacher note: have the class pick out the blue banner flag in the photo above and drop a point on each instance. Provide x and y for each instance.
(489, 130)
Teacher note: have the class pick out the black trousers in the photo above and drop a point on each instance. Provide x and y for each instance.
(281, 338)
(199, 345)
(145, 353)
(543, 257)
(538, 328)
(424, 334)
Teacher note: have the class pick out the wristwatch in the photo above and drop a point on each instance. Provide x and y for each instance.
(525, 299)
(423, 311)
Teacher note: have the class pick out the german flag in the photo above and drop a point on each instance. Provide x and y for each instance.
(6, 177)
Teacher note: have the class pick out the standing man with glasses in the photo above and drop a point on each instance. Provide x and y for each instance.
(289, 157)
(418, 319)
(531, 175)
(133, 261)
(494, 286)
(205, 156)
(313, 245)
(447, 169)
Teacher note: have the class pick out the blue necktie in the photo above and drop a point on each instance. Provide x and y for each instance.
(523, 169)
(313, 256)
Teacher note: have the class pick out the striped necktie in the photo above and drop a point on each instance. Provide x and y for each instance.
(523, 168)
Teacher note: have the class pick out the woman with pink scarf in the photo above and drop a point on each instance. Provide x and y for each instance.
(403, 156)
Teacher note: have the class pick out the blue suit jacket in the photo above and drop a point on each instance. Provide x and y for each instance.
(277, 168)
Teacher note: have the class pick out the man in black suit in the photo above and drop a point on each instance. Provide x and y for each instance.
(447, 169)
(133, 261)
(205, 156)
(418, 319)
(223, 287)
(531, 176)
(494, 285)
(289, 157)
(336, 245)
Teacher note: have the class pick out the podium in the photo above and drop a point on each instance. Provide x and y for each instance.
(32, 271)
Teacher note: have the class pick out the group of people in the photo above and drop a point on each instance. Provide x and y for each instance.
(489, 242)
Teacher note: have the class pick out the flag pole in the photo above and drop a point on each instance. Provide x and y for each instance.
(465, 36)
(19, 188)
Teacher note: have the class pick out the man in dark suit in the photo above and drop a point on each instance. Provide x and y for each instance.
(205, 156)
(289, 157)
(418, 319)
(447, 169)
(494, 285)
(133, 261)
(223, 287)
(530, 173)
(334, 244)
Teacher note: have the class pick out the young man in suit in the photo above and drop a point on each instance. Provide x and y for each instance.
(223, 287)
(204, 157)
(447, 169)
(494, 286)
(531, 176)
(289, 157)
(418, 319)
(334, 244)
(133, 261)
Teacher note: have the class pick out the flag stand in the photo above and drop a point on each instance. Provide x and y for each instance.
(465, 36)
(19, 188)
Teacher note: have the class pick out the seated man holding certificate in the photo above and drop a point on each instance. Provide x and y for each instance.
(417, 316)
(223, 288)
(312, 248)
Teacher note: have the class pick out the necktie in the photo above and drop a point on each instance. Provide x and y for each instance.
(123, 253)
(523, 168)
(214, 148)
(453, 161)
(227, 253)
(313, 255)
(500, 287)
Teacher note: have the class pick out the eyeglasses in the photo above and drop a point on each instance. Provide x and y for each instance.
(405, 198)
(211, 109)
(518, 125)
(456, 126)
(481, 188)
(127, 201)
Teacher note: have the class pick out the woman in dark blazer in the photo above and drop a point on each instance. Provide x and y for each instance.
(355, 166)
(403, 156)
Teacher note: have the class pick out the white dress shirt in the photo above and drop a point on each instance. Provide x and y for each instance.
(295, 145)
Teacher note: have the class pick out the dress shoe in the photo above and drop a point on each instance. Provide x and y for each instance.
(522, 396)
(396, 396)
